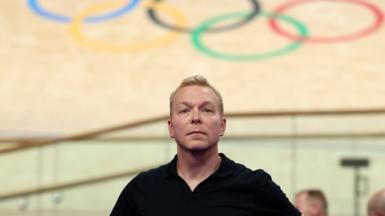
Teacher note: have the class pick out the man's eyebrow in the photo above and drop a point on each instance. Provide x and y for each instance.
(185, 103)
(200, 105)
(206, 103)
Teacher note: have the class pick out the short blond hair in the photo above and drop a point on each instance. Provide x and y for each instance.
(197, 80)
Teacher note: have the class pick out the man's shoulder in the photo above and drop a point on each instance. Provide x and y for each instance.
(256, 177)
(266, 191)
(151, 174)
(241, 169)
(145, 179)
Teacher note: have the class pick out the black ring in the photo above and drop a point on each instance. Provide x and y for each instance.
(151, 12)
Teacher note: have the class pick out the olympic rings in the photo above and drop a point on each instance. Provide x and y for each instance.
(255, 10)
(371, 7)
(35, 7)
(196, 38)
(133, 47)
(118, 9)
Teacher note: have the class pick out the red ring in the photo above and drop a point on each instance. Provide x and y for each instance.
(373, 8)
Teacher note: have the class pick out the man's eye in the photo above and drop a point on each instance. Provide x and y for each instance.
(183, 111)
(207, 110)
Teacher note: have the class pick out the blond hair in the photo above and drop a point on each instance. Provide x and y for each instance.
(197, 80)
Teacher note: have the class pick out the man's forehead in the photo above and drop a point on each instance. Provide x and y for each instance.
(190, 103)
(301, 196)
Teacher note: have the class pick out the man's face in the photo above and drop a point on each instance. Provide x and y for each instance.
(195, 121)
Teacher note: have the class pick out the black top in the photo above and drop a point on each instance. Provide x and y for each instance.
(233, 190)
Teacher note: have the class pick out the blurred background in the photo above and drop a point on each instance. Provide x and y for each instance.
(84, 89)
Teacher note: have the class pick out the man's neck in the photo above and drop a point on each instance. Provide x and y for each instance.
(194, 168)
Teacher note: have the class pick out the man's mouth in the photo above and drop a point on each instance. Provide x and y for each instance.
(196, 132)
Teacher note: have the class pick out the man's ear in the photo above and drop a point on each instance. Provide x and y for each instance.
(223, 126)
(170, 128)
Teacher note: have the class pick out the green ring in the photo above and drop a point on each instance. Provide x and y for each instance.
(198, 44)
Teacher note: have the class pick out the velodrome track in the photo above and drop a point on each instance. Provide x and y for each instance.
(69, 66)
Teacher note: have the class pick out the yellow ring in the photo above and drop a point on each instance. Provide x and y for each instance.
(75, 29)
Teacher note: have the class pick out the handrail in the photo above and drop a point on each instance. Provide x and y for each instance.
(73, 184)
(147, 138)
(247, 136)
(33, 144)
(87, 135)
(18, 139)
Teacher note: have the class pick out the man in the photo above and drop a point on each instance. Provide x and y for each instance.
(311, 202)
(376, 205)
(199, 181)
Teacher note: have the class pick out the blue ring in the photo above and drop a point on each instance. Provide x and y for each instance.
(35, 7)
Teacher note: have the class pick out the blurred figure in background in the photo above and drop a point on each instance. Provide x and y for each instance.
(376, 205)
(311, 202)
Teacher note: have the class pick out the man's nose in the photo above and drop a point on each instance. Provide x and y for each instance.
(195, 119)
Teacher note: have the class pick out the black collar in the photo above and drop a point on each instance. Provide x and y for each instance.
(225, 169)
